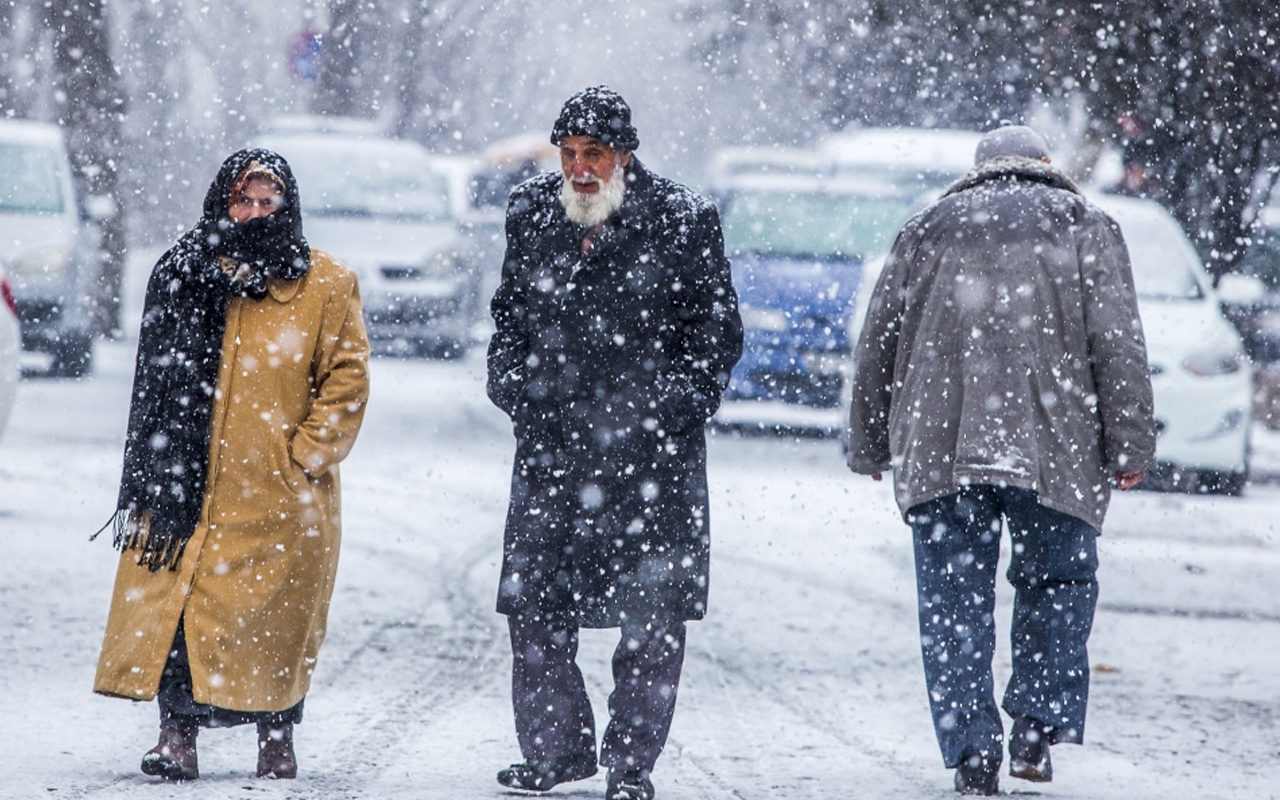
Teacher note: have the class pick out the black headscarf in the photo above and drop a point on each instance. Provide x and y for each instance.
(166, 452)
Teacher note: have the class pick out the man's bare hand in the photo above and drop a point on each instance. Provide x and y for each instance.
(1126, 480)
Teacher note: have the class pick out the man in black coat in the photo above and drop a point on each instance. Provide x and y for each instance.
(617, 328)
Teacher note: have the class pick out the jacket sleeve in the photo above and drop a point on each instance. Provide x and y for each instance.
(509, 346)
(875, 358)
(1117, 349)
(341, 372)
(709, 328)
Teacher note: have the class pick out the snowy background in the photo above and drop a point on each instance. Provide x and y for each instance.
(803, 682)
(805, 679)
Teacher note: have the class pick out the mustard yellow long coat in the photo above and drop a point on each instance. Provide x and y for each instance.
(254, 583)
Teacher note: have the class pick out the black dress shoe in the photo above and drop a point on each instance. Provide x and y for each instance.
(541, 774)
(978, 775)
(631, 784)
(1029, 751)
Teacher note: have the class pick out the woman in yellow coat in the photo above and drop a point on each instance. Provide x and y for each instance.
(250, 387)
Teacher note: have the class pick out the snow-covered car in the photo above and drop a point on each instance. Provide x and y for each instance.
(1200, 374)
(1251, 300)
(10, 344)
(382, 207)
(917, 159)
(797, 244)
(49, 245)
(1256, 312)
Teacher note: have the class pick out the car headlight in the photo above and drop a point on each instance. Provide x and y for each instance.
(52, 261)
(1215, 361)
(762, 319)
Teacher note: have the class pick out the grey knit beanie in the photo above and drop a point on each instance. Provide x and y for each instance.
(1011, 140)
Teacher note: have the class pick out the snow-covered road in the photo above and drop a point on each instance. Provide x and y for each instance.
(803, 682)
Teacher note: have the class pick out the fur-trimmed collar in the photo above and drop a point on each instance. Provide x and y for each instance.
(1013, 168)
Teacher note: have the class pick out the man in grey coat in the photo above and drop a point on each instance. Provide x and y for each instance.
(1002, 376)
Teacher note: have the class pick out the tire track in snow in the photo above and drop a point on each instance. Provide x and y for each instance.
(810, 680)
(407, 670)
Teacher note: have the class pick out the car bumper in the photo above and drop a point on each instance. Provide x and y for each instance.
(395, 315)
(1203, 423)
(45, 324)
(790, 376)
(771, 416)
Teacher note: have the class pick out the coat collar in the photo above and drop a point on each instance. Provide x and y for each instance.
(1013, 168)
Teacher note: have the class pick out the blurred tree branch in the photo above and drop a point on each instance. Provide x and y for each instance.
(1188, 89)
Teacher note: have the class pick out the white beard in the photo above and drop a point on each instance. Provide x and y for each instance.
(592, 209)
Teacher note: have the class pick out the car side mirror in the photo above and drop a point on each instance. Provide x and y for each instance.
(1240, 290)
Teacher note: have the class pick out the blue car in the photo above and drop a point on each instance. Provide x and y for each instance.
(798, 244)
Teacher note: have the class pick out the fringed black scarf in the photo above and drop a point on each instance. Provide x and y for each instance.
(166, 452)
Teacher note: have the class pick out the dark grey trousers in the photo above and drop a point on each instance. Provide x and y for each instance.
(553, 713)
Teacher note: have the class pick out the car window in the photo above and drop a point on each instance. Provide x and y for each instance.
(1262, 258)
(32, 180)
(369, 185)
(811, 225)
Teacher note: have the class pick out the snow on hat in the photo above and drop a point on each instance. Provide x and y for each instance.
(599, 112)
(1011, 140)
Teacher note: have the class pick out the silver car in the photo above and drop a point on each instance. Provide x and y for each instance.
(51, 252)
(380, 206)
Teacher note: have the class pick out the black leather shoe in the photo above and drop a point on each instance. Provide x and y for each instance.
(630, 784)
(978, 775)
(1029, 751)
(542, 774)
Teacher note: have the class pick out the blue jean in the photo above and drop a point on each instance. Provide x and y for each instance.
(1053, 572)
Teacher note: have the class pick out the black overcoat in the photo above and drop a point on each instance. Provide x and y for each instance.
(609, 365)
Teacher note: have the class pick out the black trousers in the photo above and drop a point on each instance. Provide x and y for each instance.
(178, 705)
(553, 713)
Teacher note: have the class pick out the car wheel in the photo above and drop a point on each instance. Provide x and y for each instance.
(72, 356)
(1224, 483)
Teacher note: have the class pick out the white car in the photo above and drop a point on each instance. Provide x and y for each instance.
(10, 344)
(1199, 372)
(380, 206)
(922, 159)
(1200, 376)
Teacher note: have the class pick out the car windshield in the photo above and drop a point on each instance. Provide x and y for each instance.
(31, 179)
(812, 225)
(360, 184)
(1164, 263)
